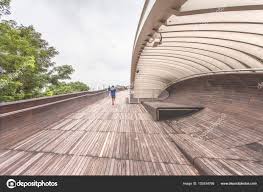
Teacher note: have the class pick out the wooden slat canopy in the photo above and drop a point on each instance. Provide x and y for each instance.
(197, 37)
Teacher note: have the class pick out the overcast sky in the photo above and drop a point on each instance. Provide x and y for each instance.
(94, 36)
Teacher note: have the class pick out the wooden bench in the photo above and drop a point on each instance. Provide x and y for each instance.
(165, 111)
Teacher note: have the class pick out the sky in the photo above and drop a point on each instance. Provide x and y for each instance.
(94, 36)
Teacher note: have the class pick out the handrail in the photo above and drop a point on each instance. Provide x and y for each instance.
(234, 71)
(23, 104)
(47, 104)
(39, 116)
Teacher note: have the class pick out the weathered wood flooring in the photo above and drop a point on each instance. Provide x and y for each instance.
(100, 139)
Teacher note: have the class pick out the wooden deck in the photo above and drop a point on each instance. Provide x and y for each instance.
(100, 139)
(225, 138)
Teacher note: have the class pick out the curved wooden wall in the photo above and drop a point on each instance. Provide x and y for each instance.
(226, 137)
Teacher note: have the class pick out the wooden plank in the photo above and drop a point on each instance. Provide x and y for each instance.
(111, 141)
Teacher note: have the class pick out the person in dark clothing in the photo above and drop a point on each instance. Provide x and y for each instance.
(113, 94)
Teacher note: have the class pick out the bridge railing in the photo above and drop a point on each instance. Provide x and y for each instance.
(22, 104)
(233, 71)
(157, 94)
(23, 118)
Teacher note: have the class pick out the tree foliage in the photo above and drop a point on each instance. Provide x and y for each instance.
(60, 73)
(62, 88)
(4, 7)
(29, 69)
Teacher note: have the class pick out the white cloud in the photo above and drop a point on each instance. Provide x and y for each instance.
(95, 36)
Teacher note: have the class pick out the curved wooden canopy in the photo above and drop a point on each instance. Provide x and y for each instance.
(197, 37)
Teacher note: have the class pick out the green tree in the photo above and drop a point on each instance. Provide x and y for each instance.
(79, 86)
(4, 7)
(62, 88)
(60, 73)
(26, 58)
(27, 61)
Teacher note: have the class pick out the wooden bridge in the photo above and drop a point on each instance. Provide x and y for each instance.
(99, 139)
(203, 53)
